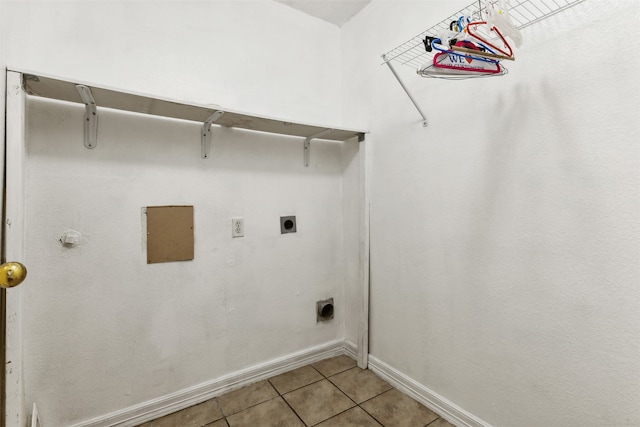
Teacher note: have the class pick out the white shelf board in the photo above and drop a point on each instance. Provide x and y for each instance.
(37, 84)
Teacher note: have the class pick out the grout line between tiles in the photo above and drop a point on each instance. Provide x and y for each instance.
(324, 377)
(342, 372)
(357, 405)
(252, 406)
(377, 395)
(220, 408)
(347, 396)
(212, 423)
(333, 416)
(291, 391)
(439, 417)
(316, 369)
(294, 411)
(335, 373)
(221, 413)
(371, 415)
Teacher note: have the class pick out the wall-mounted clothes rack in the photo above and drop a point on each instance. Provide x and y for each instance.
(93, 96)
(522, 12)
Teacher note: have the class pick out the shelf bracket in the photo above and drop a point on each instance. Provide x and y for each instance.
(206, 133)
(425, 123)
(90, 116)
(307, 145)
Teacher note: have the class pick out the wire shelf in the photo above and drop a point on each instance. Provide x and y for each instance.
(522, 12)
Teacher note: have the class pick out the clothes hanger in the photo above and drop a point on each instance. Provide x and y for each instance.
(429, 70)
(465, 63)
(468, 62)
(458, 31)
(452, 66)
(471, 46)
(471, 31)
(496, 14)
(497, 19)
(482, 53)
(463, 48)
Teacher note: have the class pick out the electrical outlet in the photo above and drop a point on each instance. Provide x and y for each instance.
(237, 227)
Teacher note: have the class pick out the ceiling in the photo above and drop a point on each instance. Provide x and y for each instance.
(335, 11)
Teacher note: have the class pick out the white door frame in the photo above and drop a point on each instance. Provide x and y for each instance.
(364, 153)
(13, 229)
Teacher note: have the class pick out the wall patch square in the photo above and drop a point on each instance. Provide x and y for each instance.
(169, 234)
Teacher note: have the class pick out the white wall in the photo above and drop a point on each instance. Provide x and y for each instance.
(505, 236)
(102, 329)
(247, 55)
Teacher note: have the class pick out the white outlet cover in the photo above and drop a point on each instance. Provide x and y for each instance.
(237, 227)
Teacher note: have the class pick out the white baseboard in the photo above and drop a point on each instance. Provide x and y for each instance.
(438, 404)
(182, 399)
(350, 349)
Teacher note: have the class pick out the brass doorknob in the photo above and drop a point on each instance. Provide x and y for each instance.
(12, 274)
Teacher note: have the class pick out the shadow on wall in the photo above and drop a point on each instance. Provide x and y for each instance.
(516, 183)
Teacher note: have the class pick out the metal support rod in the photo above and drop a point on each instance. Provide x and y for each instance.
(90, 116)
(206, 133)
(307, 145)
(424, 118)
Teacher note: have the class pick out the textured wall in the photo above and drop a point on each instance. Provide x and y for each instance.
(102, 329)
(505, 236)
(246, 55)
(105, 330)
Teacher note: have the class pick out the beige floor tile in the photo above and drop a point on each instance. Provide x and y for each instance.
(318, 402)
(355, 417)
(219, 423)
(393, 408)
(440, 422)
(295, 379)
(245, 397)
(272, 413)
(360, 384)
(195, 416)
(334, 365)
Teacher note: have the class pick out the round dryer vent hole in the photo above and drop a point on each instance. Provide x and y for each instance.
(324, 310)
(287, 224)
(327, 311)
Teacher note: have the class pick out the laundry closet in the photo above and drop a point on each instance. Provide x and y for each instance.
(205, 194)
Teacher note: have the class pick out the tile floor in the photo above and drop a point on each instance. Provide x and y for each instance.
(330, 393)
